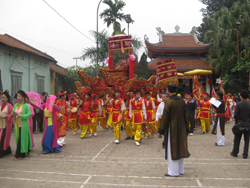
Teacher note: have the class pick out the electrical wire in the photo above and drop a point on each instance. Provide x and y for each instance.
(36, 42)
(68, 21)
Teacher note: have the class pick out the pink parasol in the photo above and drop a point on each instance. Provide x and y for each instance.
(35, 98)
(50, 101)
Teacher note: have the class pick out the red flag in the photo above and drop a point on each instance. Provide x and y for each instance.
(200, 91)
(223, 91)
(195, 89)
(214, 94)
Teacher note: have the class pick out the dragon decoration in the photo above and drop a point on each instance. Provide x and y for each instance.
(120, 76)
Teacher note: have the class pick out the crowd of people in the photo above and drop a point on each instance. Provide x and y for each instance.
(142, 117)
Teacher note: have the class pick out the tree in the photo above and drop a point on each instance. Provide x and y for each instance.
(142, 69)
(215, 5)
(223, 54)
(91, 52)
(239, 77)
(113, 15)
(71, 75)
(212, 7)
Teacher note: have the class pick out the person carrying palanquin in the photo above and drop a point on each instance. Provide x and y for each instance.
(138, 115)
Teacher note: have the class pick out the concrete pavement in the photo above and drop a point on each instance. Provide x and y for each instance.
(96, 162)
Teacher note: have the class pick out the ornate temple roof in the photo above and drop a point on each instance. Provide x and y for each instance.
(175, 44)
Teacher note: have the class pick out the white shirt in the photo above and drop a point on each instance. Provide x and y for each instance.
(160, 110)
(158, 98)
(143, 109)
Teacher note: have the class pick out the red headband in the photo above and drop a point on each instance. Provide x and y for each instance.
(63, 93)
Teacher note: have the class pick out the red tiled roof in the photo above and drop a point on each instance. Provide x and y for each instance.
(185, 64)
(15, 43)
(58, 69)
(177, 42)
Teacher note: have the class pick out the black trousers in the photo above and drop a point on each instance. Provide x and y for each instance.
(191, 121)
(8, 150)
(237, 138)
(38, 122)
(18, 149)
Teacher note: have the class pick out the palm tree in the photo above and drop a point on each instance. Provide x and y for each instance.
(91, 52)
(222, 34)
(113, 15)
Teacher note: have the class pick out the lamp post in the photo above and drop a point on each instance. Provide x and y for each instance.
(238, 23)
(97, 31)
(128, 21)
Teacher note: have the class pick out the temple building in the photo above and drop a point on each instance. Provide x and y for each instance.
(189, 54)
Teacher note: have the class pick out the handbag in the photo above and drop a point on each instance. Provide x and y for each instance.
(241, 127)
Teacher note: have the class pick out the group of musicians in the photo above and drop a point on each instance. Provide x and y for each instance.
(137, 114)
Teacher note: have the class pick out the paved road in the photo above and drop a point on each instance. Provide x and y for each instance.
(96, 162)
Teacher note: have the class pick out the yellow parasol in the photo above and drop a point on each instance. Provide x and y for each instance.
(196, 72)
(180, 74)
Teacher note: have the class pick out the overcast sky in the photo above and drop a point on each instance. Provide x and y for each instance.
(35, 23)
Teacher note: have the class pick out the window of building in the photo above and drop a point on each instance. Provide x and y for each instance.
(40, 84)
(16, 83)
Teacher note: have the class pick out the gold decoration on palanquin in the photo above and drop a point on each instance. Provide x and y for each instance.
(79, 89)
(128, 85)
(110, 80)
(144, 82)
(86, 79)
(197, 72)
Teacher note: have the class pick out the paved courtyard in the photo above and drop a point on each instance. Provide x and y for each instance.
(96, 162)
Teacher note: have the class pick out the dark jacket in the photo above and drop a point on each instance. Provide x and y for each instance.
(175, 120)
(191, 106)
(242, 111)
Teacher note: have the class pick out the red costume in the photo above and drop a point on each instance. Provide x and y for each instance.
(137, 116)
(205, 109)
(117, 110)
(118, 107)
(109, 113)
(127, 120)
(94, 116)
(62, 119)
(204, 115)
(84, 119)
(102, 116)
(73, 116)
(73, 103)
(150, 110)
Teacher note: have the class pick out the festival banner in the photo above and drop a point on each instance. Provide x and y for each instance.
(120, 43)
(166, 71)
